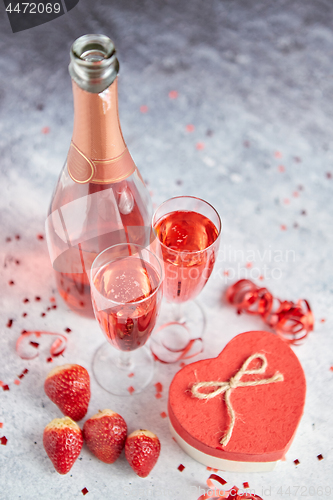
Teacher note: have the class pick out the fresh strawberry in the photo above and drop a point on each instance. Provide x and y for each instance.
(68, 386)
(142, 449)
(105, 434)
(62, 440)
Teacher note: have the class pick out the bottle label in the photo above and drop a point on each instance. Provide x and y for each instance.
(83, 169)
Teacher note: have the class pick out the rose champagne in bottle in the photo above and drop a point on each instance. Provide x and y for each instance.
(100, 199)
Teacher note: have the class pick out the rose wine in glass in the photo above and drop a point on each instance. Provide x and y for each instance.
(187, 232)
(100, 199)
(126, 296)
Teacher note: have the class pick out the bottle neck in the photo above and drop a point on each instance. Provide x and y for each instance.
(98, 153)
(97, 132)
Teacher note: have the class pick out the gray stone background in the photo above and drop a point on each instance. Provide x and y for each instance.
(255, 79)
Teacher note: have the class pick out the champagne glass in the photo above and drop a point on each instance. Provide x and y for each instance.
(187, 235)
(126, 295)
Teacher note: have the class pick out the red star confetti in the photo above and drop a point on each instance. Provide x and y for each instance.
(144, 109)
(3, 440)
(173, 94)
(84, 491)
(322, 320)
(249, 265)
(130, 389)
(130, 375)
(17, 382)
(163, 414)
(199, 146)
(45, 130)
(190, 127)
(246, 485)
(181, 467)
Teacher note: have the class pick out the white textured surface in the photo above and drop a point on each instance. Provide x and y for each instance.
(254, 78)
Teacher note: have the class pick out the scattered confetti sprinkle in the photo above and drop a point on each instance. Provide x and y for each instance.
(130, 375)
(226, 272)
(281, 168)
(329, 175)
(17, 237)
(173, 94)
(25, 371)
(163, 414)
(1, 383)
(331, 368)
(52, 299)
(181, 467)
(283, 227)
(131, 389)
(3, 440)
(277, 154)
(190, 127)
(25, 301)
(40, 237)
(37, 299)
(5, 387)
(85, 491)
(24, 315)
(303, 212)
(158, 395)
(159, 387)
(182, 364)
(179, 182)
(1, 425)
(144, 109)
(296, 462)
(200, 145)
(248, 265)
(297, 159)
(17, 382)
(11, 282)
(8, 239)
(49, 360)
(211, 469)
(286, 201)
(209, 133)
(9, 323)
(320, 457)
(246, 485)
(295, 194)
(34, 344)
(58, 346)
(68, 330)
(45, 130)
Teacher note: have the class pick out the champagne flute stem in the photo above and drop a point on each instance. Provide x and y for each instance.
(178, 312)
(125, 360)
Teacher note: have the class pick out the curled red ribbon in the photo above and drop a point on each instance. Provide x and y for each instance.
(24, 341)
(219, 493)
(292, 322)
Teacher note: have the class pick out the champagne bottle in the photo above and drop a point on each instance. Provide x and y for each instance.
(100, 198)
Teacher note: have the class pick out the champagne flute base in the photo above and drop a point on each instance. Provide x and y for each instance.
(179, 331)
(122, 373)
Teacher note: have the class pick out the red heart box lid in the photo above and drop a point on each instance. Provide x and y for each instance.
(267, 415)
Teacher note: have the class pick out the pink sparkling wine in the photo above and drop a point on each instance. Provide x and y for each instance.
(130, 284)
(188, 253)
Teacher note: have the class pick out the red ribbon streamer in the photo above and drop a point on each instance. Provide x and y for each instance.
(58, 346)
(231, 494)
(292, 322)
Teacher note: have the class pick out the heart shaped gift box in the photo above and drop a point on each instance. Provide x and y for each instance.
(266, 415)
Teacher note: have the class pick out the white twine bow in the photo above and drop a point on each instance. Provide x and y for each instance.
(234, 382)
